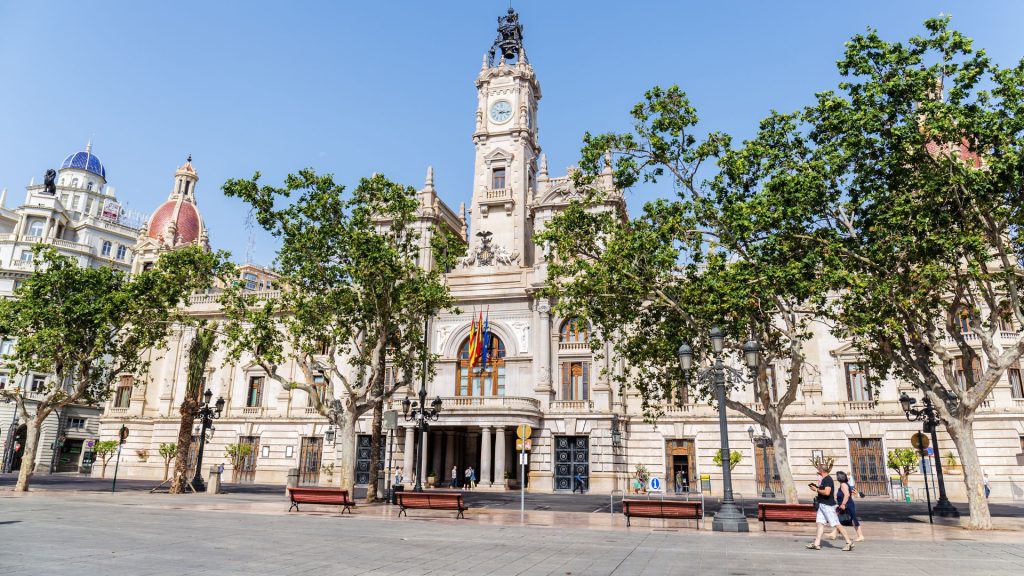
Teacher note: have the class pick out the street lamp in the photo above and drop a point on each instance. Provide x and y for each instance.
(418, 411)
(763, 440)
(206, 414)
(929, 415)
(729, 517)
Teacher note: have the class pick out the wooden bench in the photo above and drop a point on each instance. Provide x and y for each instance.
(330, 496)
(769, 512)
(663, 509)
(431, 501)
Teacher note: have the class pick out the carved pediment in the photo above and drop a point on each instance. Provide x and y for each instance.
(499, 155)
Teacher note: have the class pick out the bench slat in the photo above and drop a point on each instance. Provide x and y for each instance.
(432, 501)
(328, 496)
(662, 509)
(771, 512)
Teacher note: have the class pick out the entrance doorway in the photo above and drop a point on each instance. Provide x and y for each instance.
(364, 443)
(682, 465)
(70, 454)
(572, 457)
(868, 467)
(247, 473)
(762, 454)
(310, 452)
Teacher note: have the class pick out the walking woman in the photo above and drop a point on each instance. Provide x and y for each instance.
(844, 496)
(824, 492)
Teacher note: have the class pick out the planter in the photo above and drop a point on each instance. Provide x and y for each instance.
(432, 481)
(511, 484)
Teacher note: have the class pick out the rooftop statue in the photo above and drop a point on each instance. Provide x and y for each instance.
(49, 182)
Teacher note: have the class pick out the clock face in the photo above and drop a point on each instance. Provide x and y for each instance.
(501, 111)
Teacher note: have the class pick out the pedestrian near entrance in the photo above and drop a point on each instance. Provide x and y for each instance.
(824, 495)
(398, 476)
(984, 479)
(468, 475)
(679, 481)
(455, 477)
(845, 503)
(472, 477)
(577, 482)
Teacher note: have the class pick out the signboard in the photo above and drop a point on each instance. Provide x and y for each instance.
(523, 431)
(123, 434)
(111, 211)
(919, 441)
(931, 451)
(90, 443)
(654, 485)
(524, 459)
(519, 445)
(705, 483)
(390, 420)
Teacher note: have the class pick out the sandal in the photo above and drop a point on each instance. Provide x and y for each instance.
(848, 547)
(813, 546)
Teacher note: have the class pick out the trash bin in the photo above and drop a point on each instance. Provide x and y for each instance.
(394, 492)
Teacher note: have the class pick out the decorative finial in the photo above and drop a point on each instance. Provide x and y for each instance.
(189, 159)
(88, 146)
(607, 162)
(544, 166)
(430, 176)
(483, 66)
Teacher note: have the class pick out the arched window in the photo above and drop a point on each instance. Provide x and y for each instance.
(74, 182)
(89, 185)
(486, 380)
(105, 250)
(574, 335)
(35, 228)
(121, 251)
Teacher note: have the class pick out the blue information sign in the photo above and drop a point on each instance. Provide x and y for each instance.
(655, 485)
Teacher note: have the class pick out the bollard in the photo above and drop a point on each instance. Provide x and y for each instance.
(213, 482)
(293, 479)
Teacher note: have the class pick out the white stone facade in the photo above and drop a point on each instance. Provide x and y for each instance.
(547, 377)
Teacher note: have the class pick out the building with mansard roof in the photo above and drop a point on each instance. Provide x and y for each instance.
(541, 370)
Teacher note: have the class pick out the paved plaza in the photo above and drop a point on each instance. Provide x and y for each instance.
(133, 532)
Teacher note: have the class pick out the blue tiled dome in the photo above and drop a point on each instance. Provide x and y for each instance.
(87, 161)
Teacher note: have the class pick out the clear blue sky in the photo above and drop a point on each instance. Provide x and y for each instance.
(354, 88)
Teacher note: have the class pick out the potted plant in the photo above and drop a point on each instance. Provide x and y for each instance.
(328, 470)
(431, 478)
(167, 452)
(510, 482)
(237, 453)
(951, 464)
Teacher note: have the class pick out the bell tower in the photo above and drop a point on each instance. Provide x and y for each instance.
(505, 171)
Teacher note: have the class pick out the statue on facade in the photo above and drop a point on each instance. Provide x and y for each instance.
(50, 182)
(510, 37)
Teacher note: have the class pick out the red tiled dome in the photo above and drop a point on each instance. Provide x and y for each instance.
(189, 225)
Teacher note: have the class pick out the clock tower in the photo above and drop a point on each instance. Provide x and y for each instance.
(504, 179)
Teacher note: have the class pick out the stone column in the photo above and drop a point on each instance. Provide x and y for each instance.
(499, 456)
(437, 463)
(449, 456)
(424, 456)
(544, 379)
(485, 456)
(408, 451)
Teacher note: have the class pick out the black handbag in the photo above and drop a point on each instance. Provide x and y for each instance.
(816, 503)
(845, 519)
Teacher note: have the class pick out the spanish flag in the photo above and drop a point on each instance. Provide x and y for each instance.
(473, 347)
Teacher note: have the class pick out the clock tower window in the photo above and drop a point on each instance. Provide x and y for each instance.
(498, 179)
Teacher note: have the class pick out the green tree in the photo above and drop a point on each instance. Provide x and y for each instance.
(167, 451)
(734, 458)
(85, 327)
(360, 275)
(904, 461)
(204, 341)
(105, 449)
(722, 253)
(920, 151)
(236, 454)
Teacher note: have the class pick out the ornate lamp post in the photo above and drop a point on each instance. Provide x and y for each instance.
(763, 441)
(418, 411)
(206, 414)
(729, 517)
(929, 415)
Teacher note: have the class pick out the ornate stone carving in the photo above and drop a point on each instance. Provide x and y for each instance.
(442, 335)
(486, 253)
(522, 330)
(543, 307)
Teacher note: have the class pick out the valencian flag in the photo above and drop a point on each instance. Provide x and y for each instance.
(486, 340)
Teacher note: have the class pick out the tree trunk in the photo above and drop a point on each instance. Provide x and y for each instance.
(188, 419)
(28, 458)
(781, 458)
(961, 430)
(375, 438)
(167, 465)
(347, 456)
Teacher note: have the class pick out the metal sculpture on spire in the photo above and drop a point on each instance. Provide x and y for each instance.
(510, 38)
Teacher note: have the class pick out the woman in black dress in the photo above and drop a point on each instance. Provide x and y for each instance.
(844, 498)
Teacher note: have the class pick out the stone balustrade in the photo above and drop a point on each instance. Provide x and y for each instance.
(572, 406)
